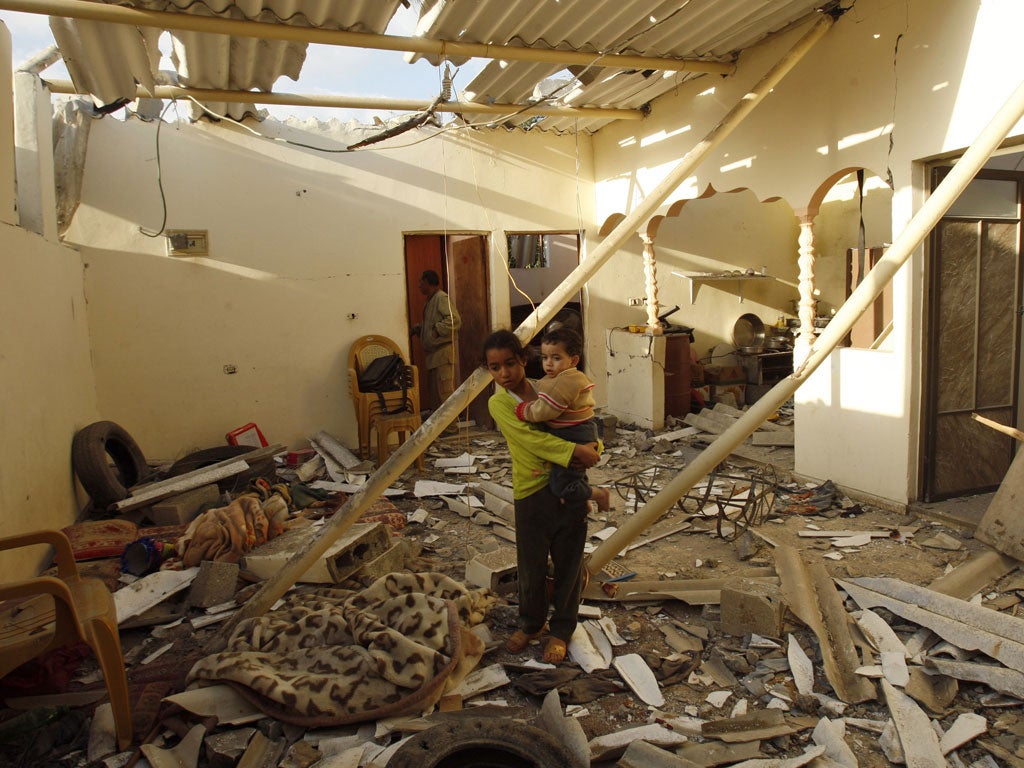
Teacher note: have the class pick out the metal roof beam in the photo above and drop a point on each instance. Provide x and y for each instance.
(115, 14)
(362, 102)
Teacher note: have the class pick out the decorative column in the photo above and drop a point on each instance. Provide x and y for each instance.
(651, 286)
(806, 287)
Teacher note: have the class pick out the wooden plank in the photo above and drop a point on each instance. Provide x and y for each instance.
(1016, 434)
(1002, 525)
(192, 480)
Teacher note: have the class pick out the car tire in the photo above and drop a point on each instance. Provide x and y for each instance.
(484, 742)
(107, 462)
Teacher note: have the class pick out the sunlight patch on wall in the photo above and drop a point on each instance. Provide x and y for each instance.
(746, 162)
(654, 138)
(860, 138)
(940, 86)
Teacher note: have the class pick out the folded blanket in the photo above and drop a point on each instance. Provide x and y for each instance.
(331, 656)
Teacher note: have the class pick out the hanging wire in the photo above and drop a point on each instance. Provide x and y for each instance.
(159, 175)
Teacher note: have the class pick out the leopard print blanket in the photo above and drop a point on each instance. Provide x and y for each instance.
(331, 656)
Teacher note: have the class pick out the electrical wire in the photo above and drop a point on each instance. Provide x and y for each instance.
(159, 177)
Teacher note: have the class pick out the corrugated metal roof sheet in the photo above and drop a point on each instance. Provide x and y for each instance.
(107, 60)
(694, 29)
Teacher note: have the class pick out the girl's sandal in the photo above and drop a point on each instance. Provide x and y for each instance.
(519, 640)
(554, 653)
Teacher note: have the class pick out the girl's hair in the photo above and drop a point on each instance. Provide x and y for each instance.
(504, 339)
(567, 338)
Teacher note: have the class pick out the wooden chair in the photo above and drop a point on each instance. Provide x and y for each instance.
(364, 350)
(47, 612)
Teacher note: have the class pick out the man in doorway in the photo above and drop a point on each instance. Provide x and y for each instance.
(439, 335)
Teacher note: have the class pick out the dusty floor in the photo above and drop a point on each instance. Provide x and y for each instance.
(446, 541)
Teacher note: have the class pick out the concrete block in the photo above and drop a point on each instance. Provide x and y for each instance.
(215, 583)
(184, 507)
(752, 607)
(223, 749)
(495, 570)
(361, 544)
(391, 560)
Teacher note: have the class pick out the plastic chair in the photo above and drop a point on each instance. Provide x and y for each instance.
(52, 611)
(402, 424)
(364, 350)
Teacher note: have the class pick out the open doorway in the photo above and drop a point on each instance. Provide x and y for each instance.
(461, 262)
(538, 263)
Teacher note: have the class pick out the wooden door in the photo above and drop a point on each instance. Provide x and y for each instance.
(461, 261)
(468, 287)
(973, 343)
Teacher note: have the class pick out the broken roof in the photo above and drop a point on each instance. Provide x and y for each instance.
(107, 59)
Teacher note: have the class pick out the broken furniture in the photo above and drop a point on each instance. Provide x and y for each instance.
(47, 612)
(368, 404)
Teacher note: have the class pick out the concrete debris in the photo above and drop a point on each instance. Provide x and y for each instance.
(735, 647)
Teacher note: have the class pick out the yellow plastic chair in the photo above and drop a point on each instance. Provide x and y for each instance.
(365, 350)
(47, 612)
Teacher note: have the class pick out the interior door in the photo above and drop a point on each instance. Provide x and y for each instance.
(973, 349)
(461, 261)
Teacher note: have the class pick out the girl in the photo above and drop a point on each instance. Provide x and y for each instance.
(545, 525)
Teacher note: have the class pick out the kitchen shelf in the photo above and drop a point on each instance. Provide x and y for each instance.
(697, 279)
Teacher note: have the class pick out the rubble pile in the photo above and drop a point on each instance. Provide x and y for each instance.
(762, 621)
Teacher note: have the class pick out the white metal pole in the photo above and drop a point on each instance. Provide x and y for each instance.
(376, 484)
(837, 329)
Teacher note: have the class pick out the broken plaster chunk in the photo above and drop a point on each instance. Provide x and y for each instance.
(943, 541)
(968, 726)
(482, 680)
(613, 745)
(801, 667)
(584, 652)
(832, 736)
(717, 699)
(920, 743)
(639, 677)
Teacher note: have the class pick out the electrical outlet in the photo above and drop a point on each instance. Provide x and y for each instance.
(188, 242)
(637, 301)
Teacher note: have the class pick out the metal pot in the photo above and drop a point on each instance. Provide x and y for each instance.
(748, 332)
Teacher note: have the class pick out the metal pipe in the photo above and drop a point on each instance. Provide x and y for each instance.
(114, 14)
(375, 485)
(839, 326)
(358, 102)
(36, 64)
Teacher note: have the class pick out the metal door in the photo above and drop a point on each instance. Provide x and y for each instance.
(973, 342)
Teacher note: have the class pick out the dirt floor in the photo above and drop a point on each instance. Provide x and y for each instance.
(708, 536)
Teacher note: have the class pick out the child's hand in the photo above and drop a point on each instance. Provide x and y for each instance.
(584, 456)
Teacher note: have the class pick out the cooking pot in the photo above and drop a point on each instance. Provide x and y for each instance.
(748, 333)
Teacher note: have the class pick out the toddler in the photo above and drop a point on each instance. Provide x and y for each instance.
(565, 405)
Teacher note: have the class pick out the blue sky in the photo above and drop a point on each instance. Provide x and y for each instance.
(328, 69)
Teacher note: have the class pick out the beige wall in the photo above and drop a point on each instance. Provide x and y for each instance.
(299, 241)
(845, 105)
(49, 393)
(45, 369)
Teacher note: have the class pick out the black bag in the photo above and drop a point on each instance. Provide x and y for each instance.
(385, 374)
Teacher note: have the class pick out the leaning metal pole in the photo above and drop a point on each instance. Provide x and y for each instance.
(839, 326)
(378, 482)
